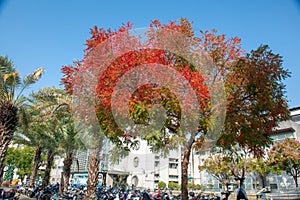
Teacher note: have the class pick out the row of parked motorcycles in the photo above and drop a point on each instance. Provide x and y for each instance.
(51, 192)
(103, 193)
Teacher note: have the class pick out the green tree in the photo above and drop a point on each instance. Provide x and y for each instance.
(41, 132)
(55, 105)
(284, 156)
(260, 168)
(32, 133)
(20, 158)
(161, 185)
(173, 186)
(218, 166)
(11, 102)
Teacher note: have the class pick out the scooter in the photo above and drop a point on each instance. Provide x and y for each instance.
(8, 195)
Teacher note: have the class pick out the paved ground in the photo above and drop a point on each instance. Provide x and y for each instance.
(23, 197)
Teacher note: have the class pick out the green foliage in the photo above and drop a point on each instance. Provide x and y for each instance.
(11, 84)
(259, 165)
(196, 186)
(12, 101)
(218, 166)
(161, 185)
(20, 158)
(173, 186)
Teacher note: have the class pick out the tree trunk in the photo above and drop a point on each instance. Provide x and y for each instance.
(5, 139)
(50, 157)
(66, 172)
(226, 189)
(263, 180)
(225, 184)
(296, 181)
(36, 165)
(184, 168)
(92, 181)
(241, 192)
(8, 123)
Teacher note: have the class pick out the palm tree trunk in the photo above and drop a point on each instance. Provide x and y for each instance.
(8, 123)
(68, 160)
(184, 167)
(50, 157)
(36, 165)
(5, 139)
(92, 181)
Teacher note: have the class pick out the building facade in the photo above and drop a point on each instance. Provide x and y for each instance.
(142, 168)
(286, 129)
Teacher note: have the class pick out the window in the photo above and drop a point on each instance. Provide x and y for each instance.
(134, 181)
(274, 186)
(282, 136)
(136, 162)
(173, 165)
(173, 176)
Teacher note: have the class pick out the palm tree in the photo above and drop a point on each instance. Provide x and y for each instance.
(56, 105)
(11, 101)
(32, 133)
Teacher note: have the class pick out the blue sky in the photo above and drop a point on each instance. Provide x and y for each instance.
(52, 33)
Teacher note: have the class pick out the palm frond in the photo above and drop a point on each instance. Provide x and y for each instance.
(29, 80)
(33, 77)
(6, 66)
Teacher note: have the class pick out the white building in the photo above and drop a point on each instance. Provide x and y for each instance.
(56, 170)
(286, 129)
(144, 169)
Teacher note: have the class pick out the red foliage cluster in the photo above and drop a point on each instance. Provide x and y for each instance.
(69, 72)
(126, 62)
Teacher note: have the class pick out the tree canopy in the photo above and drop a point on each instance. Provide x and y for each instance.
(284, 156)
(173, 88)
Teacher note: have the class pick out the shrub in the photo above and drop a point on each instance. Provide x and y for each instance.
(196, 186)
(161, 185)
(173, 186)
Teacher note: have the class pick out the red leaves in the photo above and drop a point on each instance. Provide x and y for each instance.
(223, 52)
(126, 62)
(99, 35)
(69, 72)
(249, 116)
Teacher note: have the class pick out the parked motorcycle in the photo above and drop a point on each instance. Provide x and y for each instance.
(8, 194)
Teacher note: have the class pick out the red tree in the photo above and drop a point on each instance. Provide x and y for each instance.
(161, 71)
